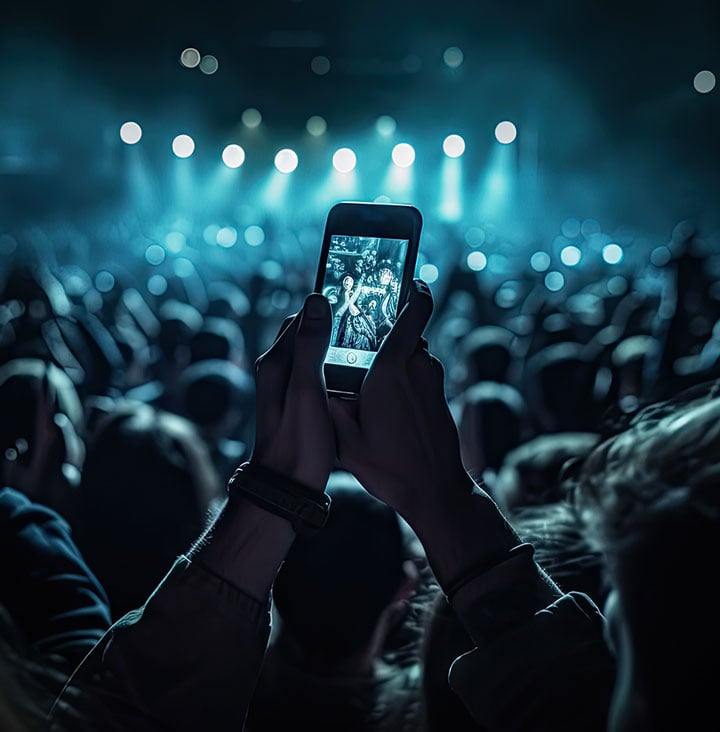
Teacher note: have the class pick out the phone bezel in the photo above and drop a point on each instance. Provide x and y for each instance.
(382, 220)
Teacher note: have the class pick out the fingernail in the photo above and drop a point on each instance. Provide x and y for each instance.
(315, 306)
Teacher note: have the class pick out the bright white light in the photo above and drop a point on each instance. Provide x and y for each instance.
(612, 253)
(477, 261)
(316, 125)
(704, 81)
(183, 146)
(403, 155)
(540, 261)
(233, 156)
(320, 65)
(251, 118)
(226, 237)
(209, 64)
(554, 281)
(286, 160)
(385, 125)
(454, 146)
(254, 235)
(570, 256)
(190, 58)
(453, 57)
(505, 132)
(429, 273)
(130, 133)
(344, 160)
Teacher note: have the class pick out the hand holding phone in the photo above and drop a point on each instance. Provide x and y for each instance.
(366, 267)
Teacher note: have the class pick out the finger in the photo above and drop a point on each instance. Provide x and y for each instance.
(284, 326)
(348, 437)
(312, 340)
(405, 335)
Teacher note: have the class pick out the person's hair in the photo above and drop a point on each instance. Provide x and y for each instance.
(333, 586)
(650, 501)
(147, 491)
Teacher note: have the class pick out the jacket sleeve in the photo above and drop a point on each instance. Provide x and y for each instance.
(187, 660)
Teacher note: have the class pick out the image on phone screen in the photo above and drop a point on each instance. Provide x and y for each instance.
(362, 283)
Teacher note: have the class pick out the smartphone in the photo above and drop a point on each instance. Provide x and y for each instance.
(367, 265)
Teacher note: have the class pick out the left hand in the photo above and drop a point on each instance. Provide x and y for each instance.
(293, 430)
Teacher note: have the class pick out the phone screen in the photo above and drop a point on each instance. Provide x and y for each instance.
(362, 282)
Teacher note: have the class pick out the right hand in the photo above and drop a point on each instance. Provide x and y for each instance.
(398, 438)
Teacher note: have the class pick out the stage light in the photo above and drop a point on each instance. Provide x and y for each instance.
(612, 253)
(226, 237)
(554, 281)
(320, 65)
(540, 261)
(157, 285)
(233, 156)
(209, 64)
(570, 256)
(403, 155)
(251, 118)
(154, 254)
(130, 132)
(344, 160)
(190, 58)
(254, 235)
(183, 146)
(453, 57)
(104, 281)
(704, 81)
(477, 261)
(385, 125)
(316, 125)
(286, 160)
(429, 273)
(454, 146)
(505, 132)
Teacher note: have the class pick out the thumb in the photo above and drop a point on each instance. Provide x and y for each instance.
(312, 338)
(348, 436)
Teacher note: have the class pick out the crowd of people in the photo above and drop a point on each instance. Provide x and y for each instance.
(511, 528)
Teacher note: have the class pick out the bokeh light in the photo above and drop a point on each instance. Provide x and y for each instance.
(316, 125)
(344, 160)
(612, 253)
(570, 228)
(130, 132)
(429, 273)
(403, 155)
(226, 236)
(570, 256)
(453, 146)
(286, 160)
(320, 65)
(157, 285)
(453, 57)
(554, 281)
(209, 64)
(704, 81)
(175, 241)
(477, 261)
(540, 261)
(190, 58)
(104, 281)
(254, 235)
(233, 156)
(505, 132)
(385, 125)
(183, 146)
(251, 118)
(154, 254)
(475, 236)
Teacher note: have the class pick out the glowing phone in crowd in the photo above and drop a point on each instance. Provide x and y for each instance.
(367, 265)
